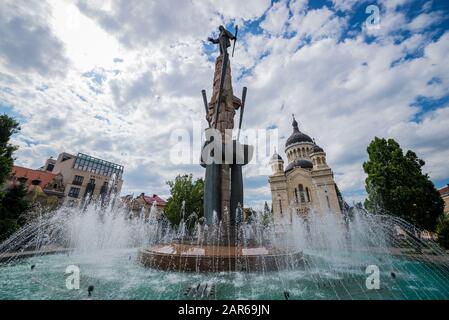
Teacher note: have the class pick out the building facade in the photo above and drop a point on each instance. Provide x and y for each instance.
(143, 204)
(44, 187)
(50, 183)
(444, 193)
(306, 183)
(85, 177)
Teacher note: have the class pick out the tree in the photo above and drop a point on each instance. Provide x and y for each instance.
(267, 217)
(8, 127)
(184, 190)
(442, 230)
(12, 207)
(12, 202)
(397, 186)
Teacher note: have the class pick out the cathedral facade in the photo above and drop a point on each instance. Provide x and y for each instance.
(306, 183)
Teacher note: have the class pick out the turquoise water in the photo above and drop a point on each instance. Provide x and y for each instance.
(117, 275)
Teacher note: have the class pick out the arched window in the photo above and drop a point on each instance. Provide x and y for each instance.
(307, 194)
(301, 193)
(303, 152)
(296, 195)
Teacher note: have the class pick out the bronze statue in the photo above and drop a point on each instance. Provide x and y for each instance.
(223, 192)
(224, 40)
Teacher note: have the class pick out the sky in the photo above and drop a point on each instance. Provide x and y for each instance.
(115, 79)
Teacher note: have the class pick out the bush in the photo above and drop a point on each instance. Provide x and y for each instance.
(183, 189)
(443, 232)
(396, 185)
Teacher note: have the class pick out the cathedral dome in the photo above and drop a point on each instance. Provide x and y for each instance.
(297, 136)
(305, 164)
(276, 157)
(317, 148)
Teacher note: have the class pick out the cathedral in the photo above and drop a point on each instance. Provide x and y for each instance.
(306, 183)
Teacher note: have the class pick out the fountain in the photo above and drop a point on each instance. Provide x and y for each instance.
(105, 243)
(123, 256)
(220, 245)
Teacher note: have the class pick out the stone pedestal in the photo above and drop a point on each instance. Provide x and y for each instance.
(229, 103)
(225, 124)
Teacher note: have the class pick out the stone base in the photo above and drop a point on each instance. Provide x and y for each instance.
(196, 258)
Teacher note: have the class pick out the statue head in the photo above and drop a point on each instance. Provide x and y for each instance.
(221, 28)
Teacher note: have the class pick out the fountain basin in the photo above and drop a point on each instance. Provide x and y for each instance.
(208, 258)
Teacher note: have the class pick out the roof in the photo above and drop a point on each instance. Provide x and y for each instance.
(276, 157)
(305, 164)
(444, 191)
(44, 176)
(297, 136)
(317, 148)
(151, 199)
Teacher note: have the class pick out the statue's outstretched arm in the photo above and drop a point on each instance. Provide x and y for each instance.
(213, 40)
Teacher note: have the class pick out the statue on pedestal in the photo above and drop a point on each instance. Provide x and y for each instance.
(223, 157)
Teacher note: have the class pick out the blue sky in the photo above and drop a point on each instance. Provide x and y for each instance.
(114, 79)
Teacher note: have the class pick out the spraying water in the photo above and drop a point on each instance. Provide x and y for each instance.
(342, 257)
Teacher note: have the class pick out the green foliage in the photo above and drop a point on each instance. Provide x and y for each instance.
(8, 127)
(12, 207)
(249, 215)
(267, 217)
(7, 227)
(12, 202)
(397, 186)
(42, 202)
(442, 230)
(184, 189)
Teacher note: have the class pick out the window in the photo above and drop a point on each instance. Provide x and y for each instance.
(92, 181)
(301, 193)
(78, 180)
(97, 166)
(280, 206)
(296, 195)
(307, 194)
(50, 167)
(74, 192)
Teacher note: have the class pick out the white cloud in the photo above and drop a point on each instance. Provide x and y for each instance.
(133, 72)
(276, 18)
(317, 24)
(26, 41)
